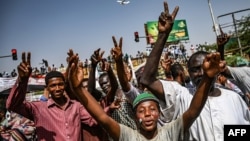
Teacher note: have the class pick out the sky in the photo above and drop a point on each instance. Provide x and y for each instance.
(49, 28)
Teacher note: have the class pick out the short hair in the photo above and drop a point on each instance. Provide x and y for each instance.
(53, 74)
(194, 55)
(175, 69)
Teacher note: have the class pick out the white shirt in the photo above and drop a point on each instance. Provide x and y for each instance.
(228, 108)
(132, 93)
(170, 132)
(242, 76)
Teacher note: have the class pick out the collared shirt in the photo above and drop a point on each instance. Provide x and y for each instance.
(52, 122)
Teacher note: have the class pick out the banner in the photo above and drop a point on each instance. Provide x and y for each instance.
(35, 83)
(178, 32)
(7, 83)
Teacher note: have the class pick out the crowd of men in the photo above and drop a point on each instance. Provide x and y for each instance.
(193, 102)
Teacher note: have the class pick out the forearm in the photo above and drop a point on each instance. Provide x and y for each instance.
(17, 95)
(112, 78)
(122, 75)
(201, 94)
(67, 87)
(151, 66)
(97, 112)
(89, 102)
(69, 92)
(114, 86)
(198, 100)
(221, 51)
(91, 80)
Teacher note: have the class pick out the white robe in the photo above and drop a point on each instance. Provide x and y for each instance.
(228, 108)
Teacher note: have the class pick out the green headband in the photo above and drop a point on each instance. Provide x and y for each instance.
(144, 97)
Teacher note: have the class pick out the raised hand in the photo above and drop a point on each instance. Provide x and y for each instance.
(166, 20)
(115, 104)
(24, 68)
(212, 65)
(70, 53)
(75, 75)
(222, 39)
(96, 57)
(116, 51)
(105, 66)
(79, 72)
(69, 61)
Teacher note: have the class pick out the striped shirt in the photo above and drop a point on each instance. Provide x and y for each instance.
(52, 123)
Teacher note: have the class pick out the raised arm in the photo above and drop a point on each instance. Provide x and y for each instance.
(117, 55)
(67, 88)
(236, 73)
(211, 67)
(222, 39)
(221, 42)
(95, 58)
(93, 107)
(149, 79)
(18, 92)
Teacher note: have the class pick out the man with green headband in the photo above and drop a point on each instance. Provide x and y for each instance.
(146, 106)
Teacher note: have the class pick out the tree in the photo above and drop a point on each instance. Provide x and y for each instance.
(243, 26)
(244, 29)
(207, 47)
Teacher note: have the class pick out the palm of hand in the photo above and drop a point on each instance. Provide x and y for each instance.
(96, 57)
(116, 52)
(76, 73)
(166, 19)
(80, 76)
(74, 77)
(24, 71)
(115, 105)
(23, 74)
(165, 26)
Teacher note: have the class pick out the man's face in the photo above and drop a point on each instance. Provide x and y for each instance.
(195, 69)
(56, 87)
(104, 83)
(148, 113)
